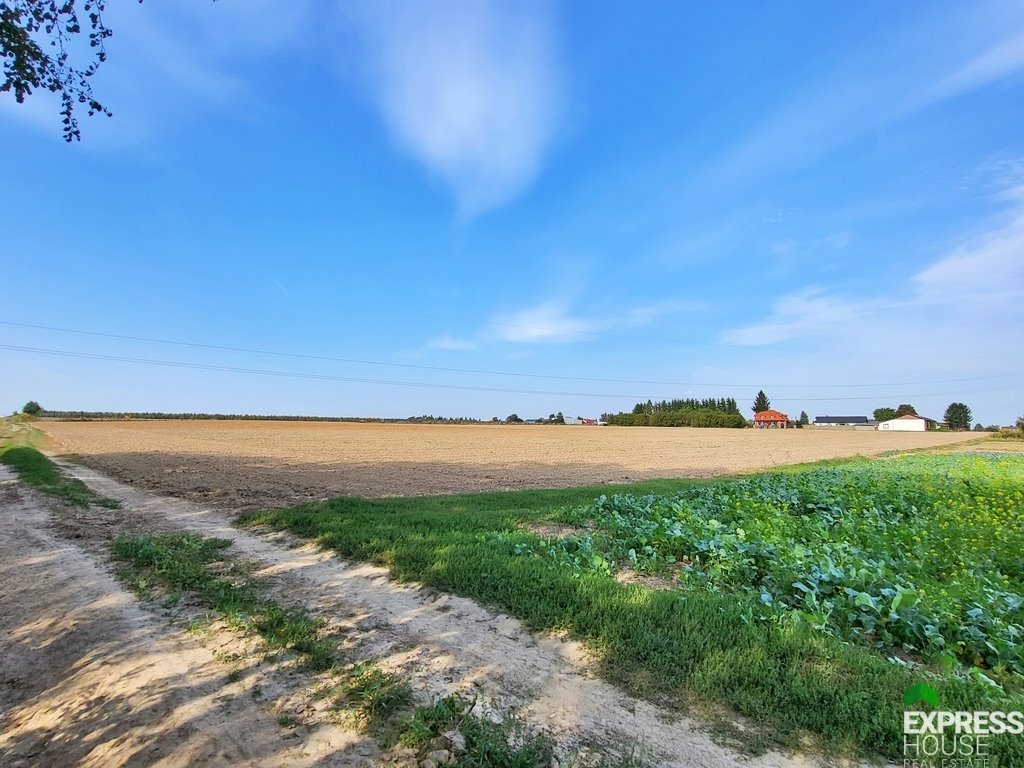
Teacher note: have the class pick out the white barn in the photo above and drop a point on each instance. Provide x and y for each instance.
(906, 423)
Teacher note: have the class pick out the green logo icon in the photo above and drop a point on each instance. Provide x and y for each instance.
(922, 692)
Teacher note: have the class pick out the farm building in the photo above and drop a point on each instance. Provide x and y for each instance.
(840, 421)
(771, 420)
(907, 423)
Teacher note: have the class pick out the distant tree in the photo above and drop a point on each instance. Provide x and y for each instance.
(1020, 424)
(905, 409)
(885, 414)
(31, 408)
(559, 418)
(978, 427)
(761, 402)
(958, 416)
(514, 419)
(804, 421)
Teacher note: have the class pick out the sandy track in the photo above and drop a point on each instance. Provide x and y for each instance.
(247, 464)
(442, 643)
(87, 678)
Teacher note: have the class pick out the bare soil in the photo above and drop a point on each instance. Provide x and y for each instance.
(247, 464)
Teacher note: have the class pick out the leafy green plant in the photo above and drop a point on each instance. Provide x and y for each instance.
(920, 554)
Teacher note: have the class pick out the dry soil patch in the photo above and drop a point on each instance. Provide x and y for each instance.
(247, 464)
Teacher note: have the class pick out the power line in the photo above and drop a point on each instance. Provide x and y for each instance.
(313, 376)
(446, 369)
(419, 385)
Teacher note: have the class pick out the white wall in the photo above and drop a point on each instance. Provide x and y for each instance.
(904, 425)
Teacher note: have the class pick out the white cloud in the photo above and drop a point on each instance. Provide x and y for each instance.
(809, 312)
(836, 240)
(999, 61)
(547, 322)
(987, 273)
(451, 343)
(975, 289)
(863, 92)
(555, 322)
(648, 313)
(470, 88)
(784, 248)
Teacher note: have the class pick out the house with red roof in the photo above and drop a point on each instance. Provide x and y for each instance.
(771, 419)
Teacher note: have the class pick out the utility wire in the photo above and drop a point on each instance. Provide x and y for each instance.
(415, 384)
(446, 369)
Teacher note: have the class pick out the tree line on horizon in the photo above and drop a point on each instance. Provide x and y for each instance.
(33, 408)
(681, 412)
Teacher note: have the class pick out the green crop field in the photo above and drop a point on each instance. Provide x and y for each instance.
(807, 600)
(920, 555)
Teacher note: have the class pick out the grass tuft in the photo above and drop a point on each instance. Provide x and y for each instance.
(372, 694)
(488, 744)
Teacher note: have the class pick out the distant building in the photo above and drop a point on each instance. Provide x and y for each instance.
(771, 420)
(841, 421)
(908, 423)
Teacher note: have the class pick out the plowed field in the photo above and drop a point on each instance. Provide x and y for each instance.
(244, 464)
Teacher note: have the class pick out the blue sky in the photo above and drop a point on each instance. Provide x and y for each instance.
(478, 208)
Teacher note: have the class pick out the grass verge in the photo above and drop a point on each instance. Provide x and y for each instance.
(42, 474)
(672, 646)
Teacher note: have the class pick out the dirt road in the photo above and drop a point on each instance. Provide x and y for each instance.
(246, 464)
(91, 679)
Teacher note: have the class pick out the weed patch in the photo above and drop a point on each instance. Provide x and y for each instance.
(371, 693)
(481, 742)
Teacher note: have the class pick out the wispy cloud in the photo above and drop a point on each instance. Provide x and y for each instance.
(864, 93)
(451, 343)
(469, 88)
(810, 312)
(975, 282)
(556, 322)
(551, 321)
(1001, 60)
(783, 248)
(837, 240)
(987, 273)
